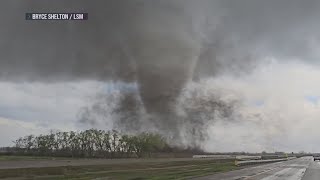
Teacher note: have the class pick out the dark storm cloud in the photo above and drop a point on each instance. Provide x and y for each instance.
(124, 39)
(161, 45)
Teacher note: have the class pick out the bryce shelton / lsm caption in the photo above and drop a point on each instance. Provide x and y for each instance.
(56, 16)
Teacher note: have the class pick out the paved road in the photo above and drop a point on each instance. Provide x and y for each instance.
(298, 169)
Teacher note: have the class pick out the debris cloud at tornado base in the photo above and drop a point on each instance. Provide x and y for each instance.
(168, 49)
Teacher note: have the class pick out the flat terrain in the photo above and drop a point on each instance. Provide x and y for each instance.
(16, 158)
(165, 168)
(298, 169)
(16, 162)
(174, 168)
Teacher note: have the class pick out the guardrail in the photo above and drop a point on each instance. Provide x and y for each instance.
(242, 157)
(251, 162)
(214, 156)
(238, 157)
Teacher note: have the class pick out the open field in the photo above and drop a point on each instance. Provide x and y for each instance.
(18, 158)
(179, 168)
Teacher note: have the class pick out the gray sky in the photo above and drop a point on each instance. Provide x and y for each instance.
(263, 55)
(284, 96)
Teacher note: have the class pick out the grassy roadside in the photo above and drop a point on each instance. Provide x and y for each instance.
(17, 158)
(149, 170)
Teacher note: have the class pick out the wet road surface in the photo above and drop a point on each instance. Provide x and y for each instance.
(298, 169)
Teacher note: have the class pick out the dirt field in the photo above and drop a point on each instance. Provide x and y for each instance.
(177, 168)
(36, 163)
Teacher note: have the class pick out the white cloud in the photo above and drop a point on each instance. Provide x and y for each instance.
(33, 108)
(11, 129)
(285, 120)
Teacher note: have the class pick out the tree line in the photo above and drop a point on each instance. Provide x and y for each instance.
(92, 143)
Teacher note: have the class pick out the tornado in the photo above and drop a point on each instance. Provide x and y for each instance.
(165, 53)
(161, 45)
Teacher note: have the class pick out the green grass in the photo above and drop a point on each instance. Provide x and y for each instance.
(16, 158)
(136, 171)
